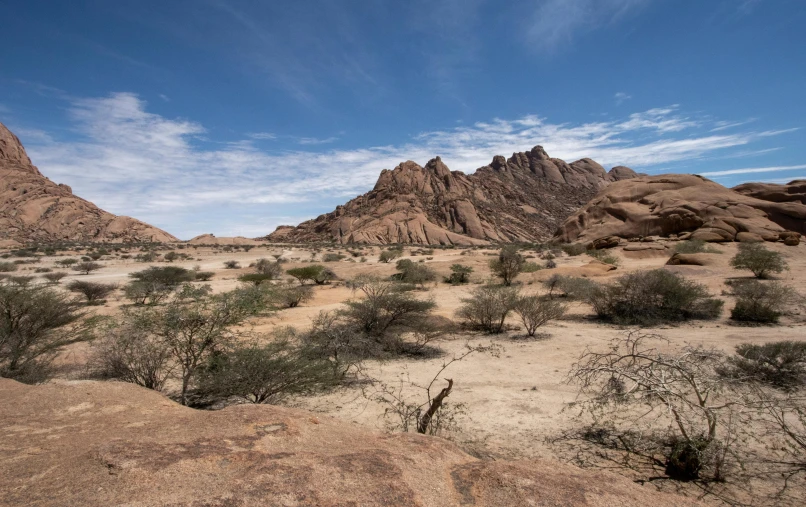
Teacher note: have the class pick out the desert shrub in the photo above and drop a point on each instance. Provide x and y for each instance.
(508, 264)
(390, 254)
(653, 297)
(147, 291)
(333, 257)
(232, 265)
(255, 278)
(167, 275)
(573, 249)
(94, 292)
(170, 256)
(36, 322)
(204, 276)
(691, 246)
(604, 256)
(779, 364)
(264, 373)
(460, 274)
(488, 307)
(42, 270)
(289, 295)
(87, 267)
(7, 267)
(54, 277)
(384, 322)
(129, 353)
(760, 301)
(536, 311)
(267, 267)
(21, 281)
(550, 264)
(572, 287)
(95, 255)
(315, 273)
(758, 259)
(67, 262)
(146, 257)
(530, 267)
(413, 273)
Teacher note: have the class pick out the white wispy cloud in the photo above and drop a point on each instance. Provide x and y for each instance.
(621, 97)
(751, 170)
(267, 136)
(314, 140)
(168, 172)
(555, 22)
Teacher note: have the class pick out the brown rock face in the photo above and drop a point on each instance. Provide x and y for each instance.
(523, 198)
(794, 191)
(681, 204)
(34, 209)
(93, 443)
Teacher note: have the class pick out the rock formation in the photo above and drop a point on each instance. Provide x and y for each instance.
(211, 239)
(34, 209)
(112, 443)
(794, 191)
(523, 198)
(683, 205)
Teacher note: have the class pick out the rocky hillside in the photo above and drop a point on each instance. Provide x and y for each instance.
(794, 191)
(686, 205)
(523, 198)
(112, 443)
(34, 209)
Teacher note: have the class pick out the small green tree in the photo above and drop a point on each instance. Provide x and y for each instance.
(460, 274)
(87, 267)
(758, 259)
(508, 265)
(54, 277)
(315, 273)
(95, 292)
(255, 278)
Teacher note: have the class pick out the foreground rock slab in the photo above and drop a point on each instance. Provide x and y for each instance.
(93, 443)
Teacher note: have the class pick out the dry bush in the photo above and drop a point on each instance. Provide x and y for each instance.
(488, 307)
(87, 267)
(536, 311)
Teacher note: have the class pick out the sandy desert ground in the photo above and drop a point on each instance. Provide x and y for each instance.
(514, 402)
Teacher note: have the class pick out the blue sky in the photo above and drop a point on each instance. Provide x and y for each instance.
(233, 117)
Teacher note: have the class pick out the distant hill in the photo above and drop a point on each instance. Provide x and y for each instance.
(34, 209)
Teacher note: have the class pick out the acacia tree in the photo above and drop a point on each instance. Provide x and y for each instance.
(758, 259)
(192, 330)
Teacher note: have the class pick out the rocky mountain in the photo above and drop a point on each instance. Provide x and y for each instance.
(34, 209)
(794, 191)
(523, 198)
(114, 443)
(687, 205)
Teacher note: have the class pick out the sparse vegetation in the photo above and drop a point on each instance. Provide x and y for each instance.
(413, 273)
(691, 246)
(8, 267)
(390, 254)
(54, 277)
(781, 364)
(460, 274)
(316, 273)
(232, 265)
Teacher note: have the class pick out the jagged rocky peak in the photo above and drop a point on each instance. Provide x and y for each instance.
(11, 149)
(523, 198)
